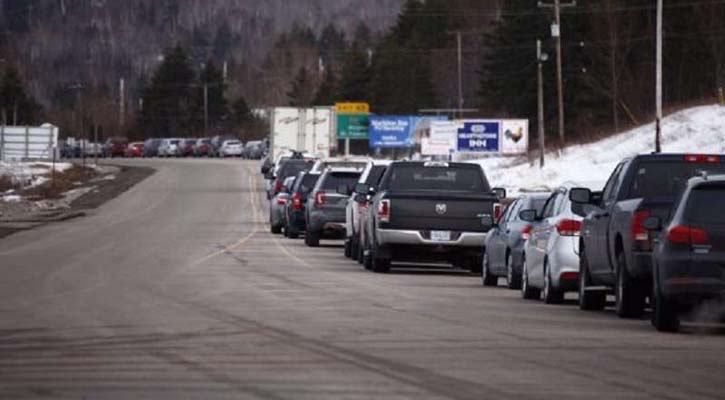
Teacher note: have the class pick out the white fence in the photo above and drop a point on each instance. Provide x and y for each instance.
(28, 142)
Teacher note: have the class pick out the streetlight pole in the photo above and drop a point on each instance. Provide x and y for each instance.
(658, 83)
(540, 58)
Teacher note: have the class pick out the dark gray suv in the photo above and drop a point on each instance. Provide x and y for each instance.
(325, 211)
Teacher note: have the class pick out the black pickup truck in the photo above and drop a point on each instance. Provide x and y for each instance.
(615, 247)
(430, 211)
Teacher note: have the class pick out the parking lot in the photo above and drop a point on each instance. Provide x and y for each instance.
(176, 289)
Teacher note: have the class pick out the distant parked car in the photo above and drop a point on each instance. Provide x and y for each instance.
(230, 148)
(504, 249)
(277, 206)
(203, 148)
(689, 253)
(185, 148)
(168, 147)
(151, 147)
(551, 255)
(93, 149)
(326, 204)
(253, 150)
(295, 222)
(115, 147)
(134, 149)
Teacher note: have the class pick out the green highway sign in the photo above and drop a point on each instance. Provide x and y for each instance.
(352, 126)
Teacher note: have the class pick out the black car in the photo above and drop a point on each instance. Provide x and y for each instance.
(287, 169)
(295, 210)
(504, 249)
(688, 258)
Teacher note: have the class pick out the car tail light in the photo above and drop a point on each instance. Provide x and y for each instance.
(297, 201)
(702, 159)
(569, 227)
(497, 207)
(320, 198)
(640, 235)
(277, 187)
(384, 210)
(281, 201)
(687, 235)
(569, 276)
(526, 232)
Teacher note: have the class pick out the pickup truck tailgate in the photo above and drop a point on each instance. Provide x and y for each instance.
(416, 210)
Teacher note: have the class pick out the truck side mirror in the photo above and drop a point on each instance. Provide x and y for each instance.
(500, 193)
(528, 215)
(652, 224)
(580, 195)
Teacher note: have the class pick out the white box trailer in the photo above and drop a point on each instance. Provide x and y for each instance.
(302, 129)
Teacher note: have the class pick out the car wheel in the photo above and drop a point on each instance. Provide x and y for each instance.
(629, 294)
(292, 232)
(528, 292)
(486, 278)
(354, 245)
(275, 229)
(312, 239)
(552, 295)
(665, 316)
(588, 300)
(379, 264)
(347, 249)
(513, 279)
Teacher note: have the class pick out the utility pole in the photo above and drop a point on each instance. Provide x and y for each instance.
(95, 140)
(658, 83)
(460, 72)
(556, 34)
(206, 108)
(540, 58)
(122, 103)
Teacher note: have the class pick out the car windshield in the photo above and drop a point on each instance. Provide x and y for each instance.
(335, 179)
(376, 172)
(705, 205)
(418, 177)
(666, 178)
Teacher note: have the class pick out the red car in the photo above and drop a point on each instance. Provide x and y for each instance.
(134, 149)
(116, 147)
(186, 148)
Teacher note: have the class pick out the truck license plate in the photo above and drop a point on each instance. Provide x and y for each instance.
(440, 236)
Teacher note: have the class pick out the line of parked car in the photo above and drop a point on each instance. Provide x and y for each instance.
(653, 237)
(218, 146)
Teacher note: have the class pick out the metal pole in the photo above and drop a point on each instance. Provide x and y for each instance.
(206, 109)
(95, 139)
(347, 147)
(27, 142)
(559, 78)
(2, 135)
(658, 83)
(122, 103)
(542, 145)
(460, 74)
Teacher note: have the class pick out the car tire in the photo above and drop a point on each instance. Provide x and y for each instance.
(292, 232)
(275, 229)
(354, 245)
(630, 298)
(347, 248)
(528, 292)
(487, 279)
(312, 239)
(665, 317)
(380, 265)
(588, 300)
(552, 295)
(513, 279)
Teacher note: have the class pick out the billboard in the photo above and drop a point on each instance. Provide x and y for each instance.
(479, 136)
(441, 140)
(514, 136)
(400, 131)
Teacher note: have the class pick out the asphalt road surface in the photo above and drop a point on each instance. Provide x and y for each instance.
(177, 290)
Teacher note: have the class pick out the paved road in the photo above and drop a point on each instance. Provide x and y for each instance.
(177, 290)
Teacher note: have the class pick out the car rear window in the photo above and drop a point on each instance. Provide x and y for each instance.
(174, 141)
(308, 182)
(233, 143)
(335, 179)
(375, 174)
(667, 178)
(705, 205)
(416, 177)
(293, 167)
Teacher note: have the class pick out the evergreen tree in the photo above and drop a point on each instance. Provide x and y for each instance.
(327, 92)
(241, 114)
(355, 75)
(223, 42)
(332, 45)
(169, 99)
(302, 91)
(18, 107)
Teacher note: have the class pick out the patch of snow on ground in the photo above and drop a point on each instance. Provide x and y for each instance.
(695, 130)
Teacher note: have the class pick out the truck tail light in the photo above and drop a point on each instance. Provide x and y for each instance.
(702, 159)
(569, 227)
(281, 201)
(526, 232)
(687, 235)
(297, 201)
(384, 211)
(320, 198)
(640, 235)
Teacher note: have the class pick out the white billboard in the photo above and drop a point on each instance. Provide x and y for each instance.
(514, 136)
(28, 142)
